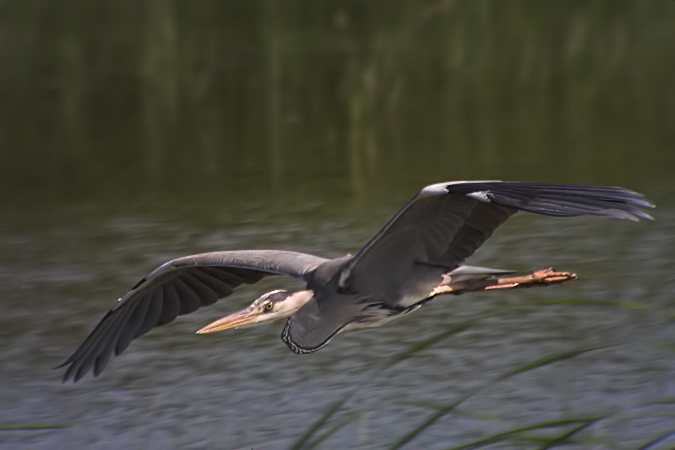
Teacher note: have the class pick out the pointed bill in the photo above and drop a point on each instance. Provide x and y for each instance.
(241, 318)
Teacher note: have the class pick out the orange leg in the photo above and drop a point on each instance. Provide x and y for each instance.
(537, 278)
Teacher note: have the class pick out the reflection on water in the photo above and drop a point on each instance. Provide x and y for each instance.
(131, 134)
(245, 389)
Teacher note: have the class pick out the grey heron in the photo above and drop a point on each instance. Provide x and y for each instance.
(424, 243)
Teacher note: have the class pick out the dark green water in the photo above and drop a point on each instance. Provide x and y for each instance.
(132, 133)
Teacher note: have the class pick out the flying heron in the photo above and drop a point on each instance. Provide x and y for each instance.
(421, 247)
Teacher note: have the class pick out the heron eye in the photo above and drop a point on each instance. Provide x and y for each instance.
(269, 305)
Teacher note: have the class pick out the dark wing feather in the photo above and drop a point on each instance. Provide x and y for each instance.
(180, 287)
(445, 223)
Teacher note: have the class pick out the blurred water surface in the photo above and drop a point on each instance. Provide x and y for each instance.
(132, 133)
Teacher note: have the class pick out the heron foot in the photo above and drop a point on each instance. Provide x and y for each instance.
(543, 277)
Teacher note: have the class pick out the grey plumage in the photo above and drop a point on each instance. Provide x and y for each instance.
(391, 275)
(179, 287)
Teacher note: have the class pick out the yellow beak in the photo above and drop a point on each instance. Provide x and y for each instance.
(241, 318)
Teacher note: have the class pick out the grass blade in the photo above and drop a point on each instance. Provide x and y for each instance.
(657, 440)
(427, 423)
(550, 360)
(588, 302)
(666, 346)
(518, 370)
(419, 346)
(326, 434)
(565, 436)
(508, 434)
(316, 426)
(661, 401)
(34, 427)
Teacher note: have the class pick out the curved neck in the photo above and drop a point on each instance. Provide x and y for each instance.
(294, 302)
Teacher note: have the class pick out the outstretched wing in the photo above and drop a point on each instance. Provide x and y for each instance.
(180, 287)
(445, 223)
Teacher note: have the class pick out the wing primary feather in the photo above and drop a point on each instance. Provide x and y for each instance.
(221, 288)
(207, 296)
(559, 199)
(86, 361)
(154, 312)
(107, 344)
(100, 328)
(222, 274)
(104, 349)
(171, 305)
(77, 358)
(248, 276)
(189, 300)
(133, 324)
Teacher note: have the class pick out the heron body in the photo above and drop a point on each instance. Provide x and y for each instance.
(422, 246)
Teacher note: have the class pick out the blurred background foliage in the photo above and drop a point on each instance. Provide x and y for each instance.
(170, 96)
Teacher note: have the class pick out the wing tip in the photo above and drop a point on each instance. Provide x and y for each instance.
(68, 375)
(554, 199)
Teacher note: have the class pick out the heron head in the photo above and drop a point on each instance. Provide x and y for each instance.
(266, 308)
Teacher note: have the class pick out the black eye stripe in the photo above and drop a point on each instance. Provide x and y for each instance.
(274, 295)
(271, 297)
